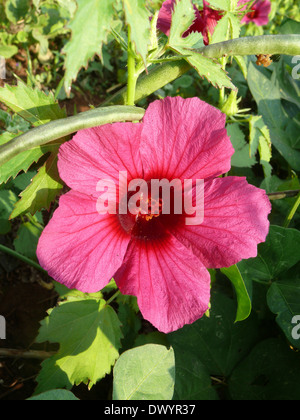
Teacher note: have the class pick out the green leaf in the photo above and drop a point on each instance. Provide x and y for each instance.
(182, 18)
(267, 95)
(7, 51)
(279, 253)
(44, 188)
(131, 324)
(241, 157)
(154, 337)
(55, 395)
(24, 160)
(31, 104)
(244, 301)
(234, 26)
(192, 381)
(138, 18)
(280, 141)
(217, 342)
(289, 87)
(7, 201)
(16, 9)
(290, 26)
(256, 125)
(270, 372)
(265, 153)
(284, 300)
(221, 31)
(23, 180)
(227, 28)
(90, 28)
(145, 373)
(260, 140)
(74, 294)
(207, 68)
(89, 335)
(226, 5)
(27, 239)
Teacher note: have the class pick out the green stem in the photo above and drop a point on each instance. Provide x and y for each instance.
(292, 212)
(61, 128)
(26, 354)
(222, 90)
(254, 45)
(132, 78)
(283, 194)
(166, 73)
(151, 82)
(113, 297)
(20, 257)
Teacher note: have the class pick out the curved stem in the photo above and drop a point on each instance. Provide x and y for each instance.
(166, 73)
(20, 257)
(151, 82)
(26, 354)
(292, 212)
(132, 78)
(283, 194)
(60, 128)
(254, 45)
(113, 297)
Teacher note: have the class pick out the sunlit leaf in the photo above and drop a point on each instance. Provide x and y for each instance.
(88, 332)
(138, 18)
(145, 373)
(90, 28)
(45, 186)
(243, 299)
(31, 104)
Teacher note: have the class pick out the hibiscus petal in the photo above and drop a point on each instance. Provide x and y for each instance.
(100, 153)
(210, 19)
(171, 284)
(264, 7)
(235, 222)
(165, 18)
(185, 139)
(79, 247)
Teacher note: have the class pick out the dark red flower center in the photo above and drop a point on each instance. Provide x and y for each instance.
(148, 219)
(253, 14)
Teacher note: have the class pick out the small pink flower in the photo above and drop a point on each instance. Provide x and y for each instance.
(259, 13)
(205, 20)
(160, 259)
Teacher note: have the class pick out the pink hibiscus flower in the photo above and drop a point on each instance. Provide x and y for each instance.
(157, 258)
(259, 13)
(205, 20)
